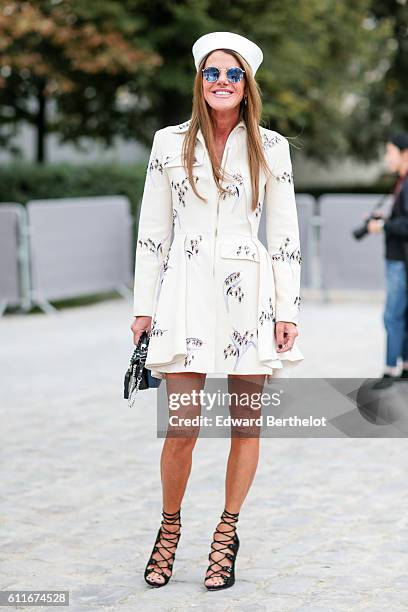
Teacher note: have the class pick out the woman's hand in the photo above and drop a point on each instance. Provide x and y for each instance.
(139, 325)
(285, 334)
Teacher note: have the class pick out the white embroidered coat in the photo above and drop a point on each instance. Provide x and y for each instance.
(213, 290)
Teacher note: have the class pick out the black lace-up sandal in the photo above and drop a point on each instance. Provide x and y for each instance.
(166, 540)
(228, 549)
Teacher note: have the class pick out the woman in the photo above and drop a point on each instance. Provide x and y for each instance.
(214, 299)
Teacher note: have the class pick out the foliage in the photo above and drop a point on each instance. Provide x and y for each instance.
(77, 54)
(382, 107)
(317, 57)
(331, 72)
(23, 182)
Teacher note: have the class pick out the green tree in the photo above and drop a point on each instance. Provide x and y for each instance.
(72, 54)
(383, 106)
(318, 56)
(126, 68)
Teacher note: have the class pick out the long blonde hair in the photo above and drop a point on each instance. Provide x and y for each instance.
(201, 119)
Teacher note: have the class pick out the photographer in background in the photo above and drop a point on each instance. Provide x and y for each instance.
(395, 228)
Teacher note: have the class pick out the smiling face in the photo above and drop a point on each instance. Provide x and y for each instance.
(223, 95)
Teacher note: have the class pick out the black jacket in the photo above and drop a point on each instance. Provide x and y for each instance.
(396, 227)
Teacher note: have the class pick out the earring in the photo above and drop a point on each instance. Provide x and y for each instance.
(246, 100)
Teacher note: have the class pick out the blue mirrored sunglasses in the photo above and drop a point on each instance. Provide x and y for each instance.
(212, 74)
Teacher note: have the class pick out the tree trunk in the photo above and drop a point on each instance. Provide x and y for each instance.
(41, 123)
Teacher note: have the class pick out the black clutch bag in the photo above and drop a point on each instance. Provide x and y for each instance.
(137, 376)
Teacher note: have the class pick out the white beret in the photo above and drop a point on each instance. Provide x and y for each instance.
(228, 40)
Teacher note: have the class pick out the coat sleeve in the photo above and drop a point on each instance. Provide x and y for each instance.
(154, 231)
(282, 233)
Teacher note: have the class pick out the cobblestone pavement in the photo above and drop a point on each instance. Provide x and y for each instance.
(324, 527)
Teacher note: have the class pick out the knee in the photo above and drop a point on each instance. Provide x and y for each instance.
(180, 445)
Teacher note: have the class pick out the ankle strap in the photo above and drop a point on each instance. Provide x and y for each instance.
(233, 516)
(171, 517)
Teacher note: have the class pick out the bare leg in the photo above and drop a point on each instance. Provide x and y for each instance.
(241, 466)
(176, 461)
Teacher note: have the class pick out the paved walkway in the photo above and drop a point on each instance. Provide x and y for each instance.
(324, 527)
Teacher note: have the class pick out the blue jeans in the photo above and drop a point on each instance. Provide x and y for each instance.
(396, 312)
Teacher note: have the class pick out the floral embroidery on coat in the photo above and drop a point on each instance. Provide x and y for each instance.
(156, 331)
(269, 141)
(176, 217)
(267, 315)
(231, 288)
(245, 249)
(162, 272)
(181, 188)
(286, 254)
(151, 246)
(192, 344)
(193, 248)
(284, 177)
(182, 126)
(233, 189)
(240, 344)
(157, 164)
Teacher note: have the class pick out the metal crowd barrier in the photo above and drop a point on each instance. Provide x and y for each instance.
(344, 262)
(14, 281)
(79, 246)
(70, 247)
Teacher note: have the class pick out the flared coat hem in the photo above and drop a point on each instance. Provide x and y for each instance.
(279, 368)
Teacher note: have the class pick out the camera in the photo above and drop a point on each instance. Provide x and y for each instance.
(362, 231)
